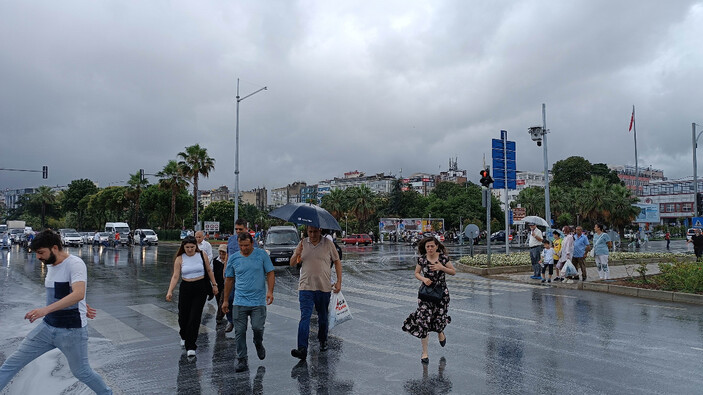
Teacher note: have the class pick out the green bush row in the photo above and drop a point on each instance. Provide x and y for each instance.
(681, 276)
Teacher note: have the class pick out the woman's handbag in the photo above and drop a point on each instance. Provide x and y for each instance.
(432, 293)
(208, 286)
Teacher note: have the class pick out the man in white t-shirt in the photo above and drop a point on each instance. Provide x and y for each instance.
(65, 316)
(535, 243)
(204, 245)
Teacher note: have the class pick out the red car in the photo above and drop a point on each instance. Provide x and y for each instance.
(357, 239)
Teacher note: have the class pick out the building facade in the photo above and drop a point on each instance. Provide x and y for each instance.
(635, 180)
(12, 196)
(287, 194)
(257, 197)
(674, 197)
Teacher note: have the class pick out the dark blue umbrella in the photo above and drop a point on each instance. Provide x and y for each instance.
(306, 214)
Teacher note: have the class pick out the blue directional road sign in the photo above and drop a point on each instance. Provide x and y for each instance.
(504, 168)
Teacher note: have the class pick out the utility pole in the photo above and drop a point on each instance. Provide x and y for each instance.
(547, 211)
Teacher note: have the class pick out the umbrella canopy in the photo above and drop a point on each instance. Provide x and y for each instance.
(539, 221)
(306, 214)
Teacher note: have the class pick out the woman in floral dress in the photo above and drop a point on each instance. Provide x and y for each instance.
(431, 317)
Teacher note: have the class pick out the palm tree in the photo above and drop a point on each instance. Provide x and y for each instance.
(334, 203)
(362, 203)
(136, 183)
(593, 200)
(44, 195)
(532, 199)
(196, 162)
(621, 202)
(172, 179)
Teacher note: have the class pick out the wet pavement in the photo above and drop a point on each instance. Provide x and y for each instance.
(505, 337)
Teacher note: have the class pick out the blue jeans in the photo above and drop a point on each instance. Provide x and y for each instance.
(535, 253)
(72, 342)
(258, 319)
(320, 300)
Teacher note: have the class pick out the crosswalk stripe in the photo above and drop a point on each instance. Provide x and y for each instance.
(115, 330)
(452, 289)
(283, 311)
(382, 305)
(495, 316)
(166, 317)
(389, 295)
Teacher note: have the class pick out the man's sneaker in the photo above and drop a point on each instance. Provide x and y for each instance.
(544, 281)
(300, 353)
(229, 328)
(191, 353)
(549, 281)
(183, 343)
(260, 350)
(242, 365)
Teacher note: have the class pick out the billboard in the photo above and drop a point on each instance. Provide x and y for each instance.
(211, 226)
(649, 213)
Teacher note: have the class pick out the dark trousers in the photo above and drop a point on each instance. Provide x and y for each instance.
(551, 269)
(257, 315)
(191, 300)
(320, 300)
(534, 258)
(698, 252)
(668, 241)
(580, 263)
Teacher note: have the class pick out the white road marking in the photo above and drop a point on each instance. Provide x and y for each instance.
(283, 311)
(659, 306)
(697, 349)
(115, 330)
(495, 316)
(386, 296)
(164, 316)
(562, 296)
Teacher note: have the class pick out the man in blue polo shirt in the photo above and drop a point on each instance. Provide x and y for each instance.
(581, 248)
(252, 270)
(240, 226)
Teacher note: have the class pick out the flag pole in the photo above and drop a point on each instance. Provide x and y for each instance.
(637, 170)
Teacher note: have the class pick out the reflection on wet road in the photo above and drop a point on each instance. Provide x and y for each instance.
(504, 337)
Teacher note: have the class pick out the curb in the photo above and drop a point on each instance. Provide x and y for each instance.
(667, 296)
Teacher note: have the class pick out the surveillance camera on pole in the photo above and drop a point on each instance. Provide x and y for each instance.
(536, 132)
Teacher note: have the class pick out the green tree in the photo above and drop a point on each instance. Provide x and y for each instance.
(335, 202)
(76, 191)
(136, 185)
(108, 204)
(157, 203)
(196, 162)
(221, 211)
(44, 196)
(363, 205)
(172, 179)
(532, 200)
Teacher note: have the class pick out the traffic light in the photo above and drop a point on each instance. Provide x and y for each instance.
(699, 199)
(45, 172)
(141, 174)
(486, 179)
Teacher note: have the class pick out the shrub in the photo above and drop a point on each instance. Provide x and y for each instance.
(681, 276)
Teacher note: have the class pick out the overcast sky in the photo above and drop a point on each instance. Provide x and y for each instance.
(101, 89)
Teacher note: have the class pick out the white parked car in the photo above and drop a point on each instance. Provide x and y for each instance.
(151, 238)
(72, 239)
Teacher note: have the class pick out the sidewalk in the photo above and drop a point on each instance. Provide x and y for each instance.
(616, 272)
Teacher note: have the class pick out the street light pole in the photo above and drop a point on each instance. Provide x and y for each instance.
(694, 143)
(236, 154)
(547, 211)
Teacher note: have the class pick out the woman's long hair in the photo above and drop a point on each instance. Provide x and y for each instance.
(421, 245)
(187, 240)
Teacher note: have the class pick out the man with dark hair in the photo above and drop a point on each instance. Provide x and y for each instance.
(240, 227)
(65, 316)
(315, 286)
(253, 271)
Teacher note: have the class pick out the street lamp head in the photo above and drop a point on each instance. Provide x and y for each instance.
(536, 133)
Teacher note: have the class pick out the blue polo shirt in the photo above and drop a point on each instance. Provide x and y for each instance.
(580, 244)
(600, 244)
(249, 277)
(232, 245)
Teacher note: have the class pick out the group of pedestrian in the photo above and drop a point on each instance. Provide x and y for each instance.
(249, 280)
(572, 247)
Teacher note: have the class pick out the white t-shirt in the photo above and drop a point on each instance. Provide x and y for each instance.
(58, 285)
(207, 249)
(548, 256)
(532, 241)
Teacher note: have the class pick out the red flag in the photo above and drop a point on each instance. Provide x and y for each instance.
(632, 119)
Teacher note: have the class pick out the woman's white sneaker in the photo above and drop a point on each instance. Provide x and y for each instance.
(183, 343)
(191, 353)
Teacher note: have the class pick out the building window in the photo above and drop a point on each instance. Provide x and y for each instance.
(687, 207)
(670, 207)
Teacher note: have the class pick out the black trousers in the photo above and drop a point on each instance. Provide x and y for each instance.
(191, 300)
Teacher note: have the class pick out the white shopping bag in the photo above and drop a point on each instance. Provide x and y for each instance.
(338, 310)
(569, 269)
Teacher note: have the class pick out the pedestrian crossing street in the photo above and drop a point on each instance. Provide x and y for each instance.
(367, 294)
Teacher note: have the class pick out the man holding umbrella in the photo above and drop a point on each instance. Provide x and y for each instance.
(535, 244)
(315, 286)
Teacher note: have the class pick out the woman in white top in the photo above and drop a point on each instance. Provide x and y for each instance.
(193, 267)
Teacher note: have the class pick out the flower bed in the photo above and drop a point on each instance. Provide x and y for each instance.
(523, 258)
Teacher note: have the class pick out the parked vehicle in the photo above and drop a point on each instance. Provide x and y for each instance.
(185, 233)
(87, 237)
(280, 243)
(151, 238)
(72, 239)
(357, 239)
(5, 241)
(118, 227)
(498, 236)
(17, 235)
(104, 237)
(690, 232)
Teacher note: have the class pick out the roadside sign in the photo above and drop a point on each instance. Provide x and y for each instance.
(510, 237)
(519, 213)
(471, 231)
(697, 222)
(211, 226)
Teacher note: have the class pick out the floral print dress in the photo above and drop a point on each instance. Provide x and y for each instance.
(430, 317)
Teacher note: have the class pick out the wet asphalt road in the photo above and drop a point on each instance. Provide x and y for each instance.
(504, 337)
